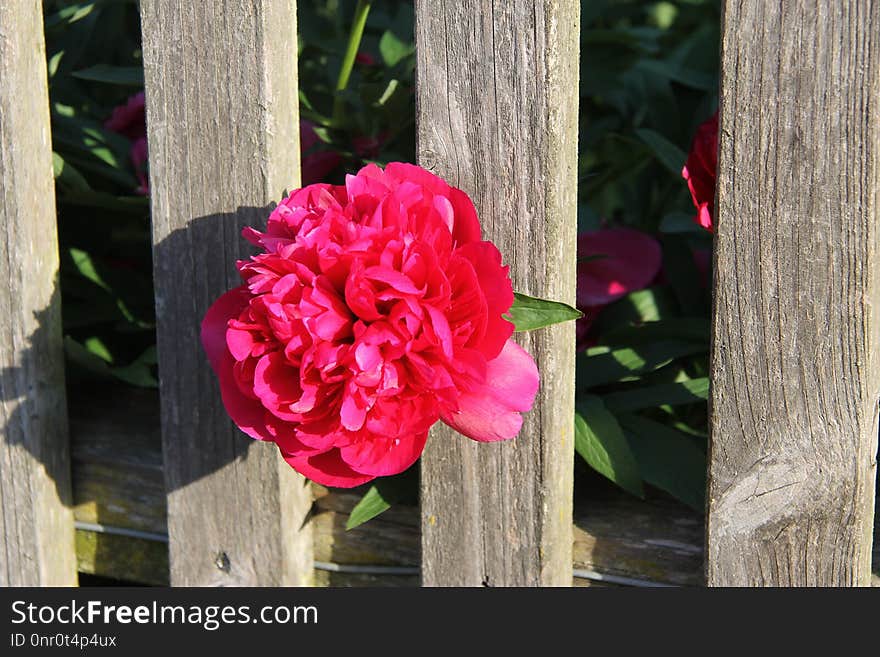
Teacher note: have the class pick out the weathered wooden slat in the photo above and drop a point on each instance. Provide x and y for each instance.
(222, 131)
(796, 373)
(36, 524)
(497, 116)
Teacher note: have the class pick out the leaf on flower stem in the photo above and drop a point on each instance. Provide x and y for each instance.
(370, 506)
(528, 313)
(599, 439)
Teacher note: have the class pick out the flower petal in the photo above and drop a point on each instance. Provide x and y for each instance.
(491, 411)
(328, 469)
(381, 456)
(626, 260)
(247, 413)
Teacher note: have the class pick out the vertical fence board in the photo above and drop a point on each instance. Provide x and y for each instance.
(36, 524)
(795, 369)
(223, 137)
(497, 116)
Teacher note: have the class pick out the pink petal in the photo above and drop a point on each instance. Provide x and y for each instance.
(467, 224)
(628, 260)
(498, 291)
(247, 413)
(328, 469)
(382, 456)
(491, 411)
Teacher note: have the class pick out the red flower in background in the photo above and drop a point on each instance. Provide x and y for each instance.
(612, 262)
(374, 310)
(130, 120)
(700, 170)
(316, 164)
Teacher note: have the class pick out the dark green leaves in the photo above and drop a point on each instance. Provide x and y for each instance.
(132, 76)
(600, 365)
(668, 459)
(528, 313)
(669, 155)
(686, 392)
(599, 439)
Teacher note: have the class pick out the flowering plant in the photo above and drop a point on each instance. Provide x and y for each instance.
(373, 310)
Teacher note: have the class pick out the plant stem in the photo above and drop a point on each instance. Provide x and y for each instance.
(354, 43)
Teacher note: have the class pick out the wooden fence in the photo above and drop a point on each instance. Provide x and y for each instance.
(795, 366)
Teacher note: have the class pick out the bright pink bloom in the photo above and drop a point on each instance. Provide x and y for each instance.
(612, 262)
(129, 119)
(316, 164)
(700, 170)
(374, 310)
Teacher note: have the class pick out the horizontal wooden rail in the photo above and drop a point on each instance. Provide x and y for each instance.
(117, 474)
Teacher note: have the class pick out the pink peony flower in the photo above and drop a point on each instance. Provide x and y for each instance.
(612, 262)
(129, 119)
(373, 310)
(700, 170)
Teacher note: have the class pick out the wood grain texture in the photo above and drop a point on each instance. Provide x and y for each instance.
(497, 116)
(223, 137)
(795, 367)
(36, 523)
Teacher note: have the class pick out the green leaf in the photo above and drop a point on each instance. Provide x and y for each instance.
(599, 440)
(596, 368)
(137, 373)
(668, 459)
(680, 74)
(668, 154)
(98, 348)
(68, 176)
(694, 329)
(131, 76)
(528, 313)
(684, 276)
(685, 392)
(69, 15)
(392, 49)
(369, 506)
(86, 267)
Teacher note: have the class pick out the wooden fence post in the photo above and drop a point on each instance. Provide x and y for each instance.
(796, 374)
(223, 135)
(36, 523)
(497, 116)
